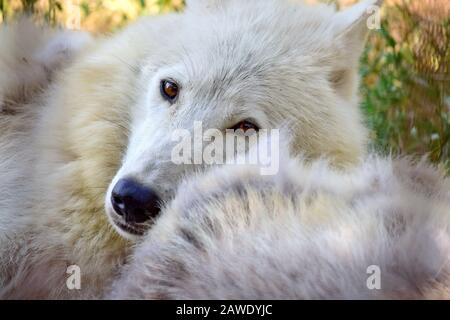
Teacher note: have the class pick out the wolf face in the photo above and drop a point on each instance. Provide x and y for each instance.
(234, 64)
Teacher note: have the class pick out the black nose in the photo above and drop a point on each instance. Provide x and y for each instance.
(135, 202)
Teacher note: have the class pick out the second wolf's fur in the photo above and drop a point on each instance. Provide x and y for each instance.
(379, 231)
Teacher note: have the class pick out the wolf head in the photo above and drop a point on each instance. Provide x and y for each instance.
(250, 65)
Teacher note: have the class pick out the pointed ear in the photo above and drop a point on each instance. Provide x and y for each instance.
(351, 27)
(354, 23)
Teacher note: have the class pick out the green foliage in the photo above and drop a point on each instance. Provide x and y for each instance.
(405, 87)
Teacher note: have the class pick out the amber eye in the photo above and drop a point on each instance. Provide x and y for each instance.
(169, 90)
(245, 126)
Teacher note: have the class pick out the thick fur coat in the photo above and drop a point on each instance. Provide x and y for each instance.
(310, 232)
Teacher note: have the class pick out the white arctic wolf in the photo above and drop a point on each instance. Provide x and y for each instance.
(92, 135)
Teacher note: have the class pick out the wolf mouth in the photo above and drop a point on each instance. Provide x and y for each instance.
(134, 230)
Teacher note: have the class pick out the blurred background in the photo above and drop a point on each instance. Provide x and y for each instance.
(405, 67)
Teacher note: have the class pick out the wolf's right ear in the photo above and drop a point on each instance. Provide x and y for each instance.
(353, 24)
(350, 28)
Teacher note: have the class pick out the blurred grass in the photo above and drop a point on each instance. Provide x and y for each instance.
(406, 79)
(405, 67)
(99, 16)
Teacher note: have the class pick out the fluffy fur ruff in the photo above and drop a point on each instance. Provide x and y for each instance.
(62, 136)
(30, 59)
(310, 232)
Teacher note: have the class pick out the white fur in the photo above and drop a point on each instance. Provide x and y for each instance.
(311, 232)
(30, 57)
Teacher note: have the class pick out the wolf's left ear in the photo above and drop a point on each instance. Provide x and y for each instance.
(350, 28)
